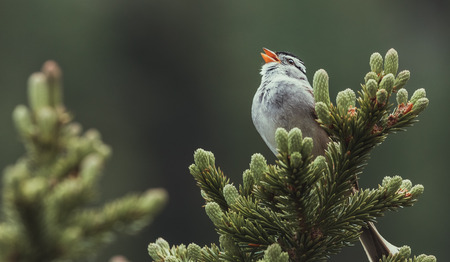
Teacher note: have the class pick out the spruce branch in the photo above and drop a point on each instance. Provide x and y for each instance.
(305, 207)
(46, 192)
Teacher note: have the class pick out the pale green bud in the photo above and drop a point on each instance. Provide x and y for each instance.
(372, 88)
(376, 63)
(307, 146)
(214, 212)
(104, 150)
(228, 244)
(248, 180)
(387, 83)
(386, 180)
(38, 91)
(22, 121)
(391, 62)
(162, 243)
(295, 140)
(320, 163)
(421, 257)
(425, 258)
(406, 184)
(203, 159)
(171, 258)
(418, 94)
(402, 79)
(93, 135)
(394, 184)
(345, 99)
(404, 252)
(275, 254)
(320, 87)
(296, 160)
(323, 113)
(281, 137)
(402, 96)
(193, 169)
(420, 105)
(47, 123)
(53, 74)
(230, 194)
(15, 174)
(258, 166)
(181, 249)
(91, 167)
(72, 129)
(429, 259)
(194, 252)
(382, 96)
(371, 75)
(34, 188)
(203, 194)
(417, 190)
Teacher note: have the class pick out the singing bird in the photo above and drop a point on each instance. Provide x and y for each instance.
(285, 99)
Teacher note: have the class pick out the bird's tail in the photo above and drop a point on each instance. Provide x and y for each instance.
(374, 244)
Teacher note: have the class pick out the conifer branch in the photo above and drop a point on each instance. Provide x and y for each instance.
(45, 194)
(306, 208)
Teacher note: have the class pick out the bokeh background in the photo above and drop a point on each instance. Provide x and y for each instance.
(162, 78)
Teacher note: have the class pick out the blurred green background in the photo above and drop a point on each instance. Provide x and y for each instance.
(162, 78)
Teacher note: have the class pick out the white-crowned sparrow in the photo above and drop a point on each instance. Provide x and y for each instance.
(285, 99)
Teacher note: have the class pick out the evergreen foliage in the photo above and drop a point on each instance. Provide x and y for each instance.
(45, 195)
(306, 208)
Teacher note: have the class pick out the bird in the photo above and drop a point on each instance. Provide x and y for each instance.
(285, 99)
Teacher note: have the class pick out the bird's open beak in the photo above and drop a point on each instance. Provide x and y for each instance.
(269, 56)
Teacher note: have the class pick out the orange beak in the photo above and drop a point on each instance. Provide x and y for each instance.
(269, 56)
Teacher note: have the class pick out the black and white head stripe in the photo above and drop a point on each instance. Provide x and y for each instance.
(289, 58)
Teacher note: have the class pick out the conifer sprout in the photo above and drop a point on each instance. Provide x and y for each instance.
(382, 96)
(214, 212)
(305, 208)
(23, 122)
(420, 105)
(406, 184)
(387, 83)
(320, 87)
(417, 190)
(376, 63)
(402, 96)
(49, 193)
(418, 94)
(295, 140)
(372, 88)
(248, 180)
(402, 79)
(258, 166)
(371, 75)
(296, 160)
(323, 113)
(281, 137)
(38, 91)
(231, 194)
(345, 100)
(307, 146)
(391, 62)
(194, 252)
(274, 254)
(203, 159)
(404, 252)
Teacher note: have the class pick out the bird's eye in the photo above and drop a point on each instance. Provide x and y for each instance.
(290, 61)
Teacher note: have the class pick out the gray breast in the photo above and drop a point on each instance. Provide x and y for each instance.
(288, 104)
